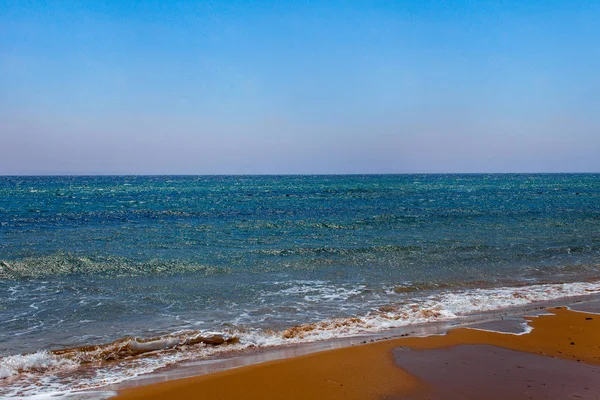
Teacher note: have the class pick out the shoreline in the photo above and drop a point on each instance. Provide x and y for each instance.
(371, 370)
(229, 357)
(509, 320)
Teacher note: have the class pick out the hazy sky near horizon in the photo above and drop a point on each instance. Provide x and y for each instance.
(251, 87)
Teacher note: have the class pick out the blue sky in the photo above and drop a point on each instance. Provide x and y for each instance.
(187, 87)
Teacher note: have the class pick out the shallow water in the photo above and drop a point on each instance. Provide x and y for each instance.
(91, 260)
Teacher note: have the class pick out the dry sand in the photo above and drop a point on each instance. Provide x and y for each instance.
(475, 364)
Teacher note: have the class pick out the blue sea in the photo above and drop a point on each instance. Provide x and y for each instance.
(97, 271)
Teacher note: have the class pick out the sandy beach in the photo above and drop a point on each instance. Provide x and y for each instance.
(558, 358)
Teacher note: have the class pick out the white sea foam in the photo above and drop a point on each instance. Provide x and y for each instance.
(316, 291)
(524, 325)
(40, 362)
(439, 307)
(23, 373)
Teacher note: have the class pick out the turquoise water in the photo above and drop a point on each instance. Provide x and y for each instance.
(94, 259)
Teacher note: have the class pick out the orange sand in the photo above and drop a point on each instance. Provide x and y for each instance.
(368, 371)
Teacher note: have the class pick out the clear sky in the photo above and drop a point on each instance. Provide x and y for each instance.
(198, 87)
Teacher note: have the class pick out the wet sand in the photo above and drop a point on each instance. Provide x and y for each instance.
(558, 359)
(491, 372)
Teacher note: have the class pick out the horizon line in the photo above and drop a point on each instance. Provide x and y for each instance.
(297, 174)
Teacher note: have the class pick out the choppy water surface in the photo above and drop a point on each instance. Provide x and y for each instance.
(92, 260)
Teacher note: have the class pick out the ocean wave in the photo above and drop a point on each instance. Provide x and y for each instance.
(316, 251)
(315, 291)
(133, 347)
(438, 307)
(61, 264)
(40, 362)
(128, 357)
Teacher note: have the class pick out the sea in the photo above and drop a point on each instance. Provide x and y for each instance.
(106, 278)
